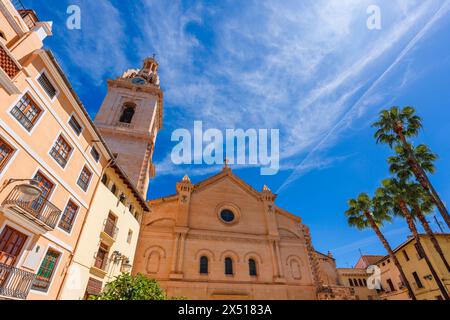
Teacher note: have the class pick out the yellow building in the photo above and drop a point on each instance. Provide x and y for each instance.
(416, 270)
(108, 241)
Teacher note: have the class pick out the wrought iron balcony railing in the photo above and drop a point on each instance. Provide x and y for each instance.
(41, 211)
(22, 118)
(109, 227)
(58, 157)
(15, 283)
(101, 261)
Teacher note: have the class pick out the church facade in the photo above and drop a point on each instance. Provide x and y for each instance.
(222, 239)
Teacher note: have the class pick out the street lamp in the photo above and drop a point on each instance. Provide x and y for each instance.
(30, 191)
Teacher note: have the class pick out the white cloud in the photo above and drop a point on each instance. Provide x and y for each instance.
(294, 65)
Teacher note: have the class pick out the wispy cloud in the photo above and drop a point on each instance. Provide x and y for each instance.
(307, 68)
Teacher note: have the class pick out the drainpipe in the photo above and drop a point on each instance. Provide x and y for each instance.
(109, 164)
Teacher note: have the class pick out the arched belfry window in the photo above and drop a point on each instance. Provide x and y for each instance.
(252, 268)
(204, 265)
(228, 266)
(128, 111)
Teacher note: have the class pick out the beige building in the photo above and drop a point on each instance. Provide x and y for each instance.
(358, 277)
(416, 270)
(222, 239)
(108, 241)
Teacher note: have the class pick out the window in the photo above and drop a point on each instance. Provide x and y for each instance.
(6, 152)
(101, 258)
(47, 85)
(127, 113)
(61, 151)
(2, 35)
(365, 282)
(419, 251)
(68, 217)
(75, 125)
(405, 255)
(417, 279)
(11, 244)
(360, 283)
(130, 236)
(95, 154)
(114, 189)
(355, 282)
(227, 215)
(204, 265)
(350, 282)
(390, 284)
(131, 208)
(46, 271)
(110, 225)
(26, 112)
(84, 179)
(105, 179)
(252, 267)
(46, 189)
(228, 266)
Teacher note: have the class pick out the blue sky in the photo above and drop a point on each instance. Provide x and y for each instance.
(309, 68)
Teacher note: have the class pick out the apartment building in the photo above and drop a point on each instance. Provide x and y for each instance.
(416, 270)
(55, 208)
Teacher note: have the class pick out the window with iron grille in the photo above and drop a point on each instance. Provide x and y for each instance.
(61, 151)
(75, 125)
(84, 179)
(6, 152)
(47, 85)
(26, 112)
(68, 217)
(46, 271)
(95, 154)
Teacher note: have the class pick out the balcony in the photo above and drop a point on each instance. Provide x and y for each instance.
(109, 232)
(22, 118)
(40, 211)
(100, 264)
(58, 157)
(15, 283)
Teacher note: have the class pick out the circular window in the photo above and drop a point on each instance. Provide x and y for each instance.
(227, 215)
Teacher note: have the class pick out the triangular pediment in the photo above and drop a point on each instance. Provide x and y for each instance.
(226, 174)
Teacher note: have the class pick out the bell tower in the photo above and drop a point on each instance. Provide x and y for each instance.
(129, 119)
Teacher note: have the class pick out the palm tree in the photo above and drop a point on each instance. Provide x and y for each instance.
(397, 195)
(394, 127)
(364, 213)
(421, 202)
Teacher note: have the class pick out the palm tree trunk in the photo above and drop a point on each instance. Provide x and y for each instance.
(391, 254)
(422, 178)
(433, 239)
(412, 227)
